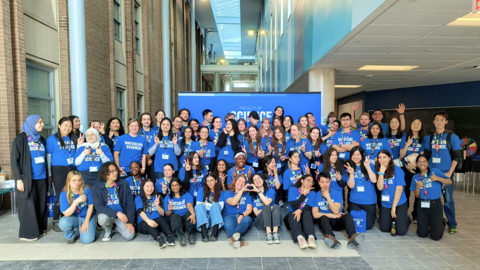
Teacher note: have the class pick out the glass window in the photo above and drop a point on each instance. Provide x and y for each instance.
(137, 28)
(121, 104)
(117, 19)
(139, 105)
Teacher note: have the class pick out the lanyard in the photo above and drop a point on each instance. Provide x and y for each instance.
(363, 136)
(332, 174)
(424, 180)
(437, 144)
(238, 203)
(343, 138)
(188, 152)
(297, 176)
(242, 171)
(386, 184)
(135, 183)
(359, 169)
(414, 146)
(147, 137)
(114, 192)
(228, 140)
(73, 197)
(37, 147)
(392, 142)
(94, 156)
(149, 201)
(165, 144)
(373, 147)
(272, 180)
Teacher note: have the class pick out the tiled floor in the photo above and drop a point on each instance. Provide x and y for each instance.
(379, 251)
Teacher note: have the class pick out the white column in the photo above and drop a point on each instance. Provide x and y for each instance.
(167, 106)
(193, 45)
(217, 82)
(323, 80)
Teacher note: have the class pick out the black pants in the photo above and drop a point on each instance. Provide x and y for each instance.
(180, 223)
(144, 228)
(370, 209)
(408, 182)
(90, 178)
(59, 176)
(32, 211)
(402, 221)
(430, 220)
(150, 170)
(328, 225)
(304, 227)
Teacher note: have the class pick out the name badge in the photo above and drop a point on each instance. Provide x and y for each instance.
(225, 152)
(39, 160)
(372, 162)
(255, 164)
(341, 155)
(425, 204)
(436, 160)
(70, 161)
(385, 198)
(164, 156)
(279, 165)
(94, 169)
(207, 155)
(206, 167)
(360, 189)
(123, 174)
(195, 194)
(313, 166)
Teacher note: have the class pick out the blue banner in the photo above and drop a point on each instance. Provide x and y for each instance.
(241, 104)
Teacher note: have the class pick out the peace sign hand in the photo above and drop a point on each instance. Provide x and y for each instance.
(307, 169)
(81, 139)
(338, 176)
(383, 168)
(187, 165)
(170, 205)
(157, 200)
(164, 187)
(244, 149)
(175, 139)
(409, 141)
(307, 191)
(366, 162)
(303, 146)
(249, 174)
(270, 148)
(157, 140)
(350, 170)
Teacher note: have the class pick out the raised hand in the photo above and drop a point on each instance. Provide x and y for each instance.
(306, 169)
(270, 148)
(307, 191)
(433, 178)
(409, 141)
(338, 176)
(99, 151)
(366, 162)
(244, 149)
(175, 139)
(303, 146)
(249, 174)
(164, 187)
(87, 151)
(81, 139)
(401, 108)
(383, 168)
(157, 140)
(157, 200)
(187, 165)
(201, 152)
(170, 205)
(419, 184)
(355, 106)
(350, 170)
(225, 131)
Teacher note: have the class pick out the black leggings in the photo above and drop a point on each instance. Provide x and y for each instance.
(304, 227)
(59, 176)
(32, 211)
(144, 228)
(402, 221)
(328, 225)
(179, 223)
(408, 182)
(370, 209)
(430, 217)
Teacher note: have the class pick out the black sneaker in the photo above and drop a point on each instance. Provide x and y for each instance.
(204, 233)
(214, 236)
(183, 240)
(170, 240)
(192, 238)
(161, 242)
(56, 227)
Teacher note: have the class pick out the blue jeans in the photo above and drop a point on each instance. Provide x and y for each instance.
(212, 218)
(231, 225)
(68, 225)
(449, 206)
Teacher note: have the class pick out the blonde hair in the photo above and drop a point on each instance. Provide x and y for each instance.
(269, 131)
(300, 133)
(67, 188)
(132, 120)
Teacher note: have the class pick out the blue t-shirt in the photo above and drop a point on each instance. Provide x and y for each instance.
(278, 159)
(290, 177)
(227, 152)
(245, 171)
(241, 206)
(179, 204)
(398, 179)
(294, 194)
(189, 147)
(241, 138)
(288, 136)
(292, 145)
(344, 138)
(270, 194)
(383, 125)
(201, 195)
(159, 187)
(270, 180)
(37, 150)
(362, 132)
(131, 149)
(325, 128)
(434, 188)
(81, 209)
(416, 147)
(151, 211)
(134, 185)
(196, 182)
(334, 184)
(396, 143)
(323, 148)
(214, 136)
(61, 156)
(149, 136)
(165, 154)
(112, 201)
(92, 161)
(322, 203)
(329, 141)
(364, 191)
(208, 149)
(252, 155)
(377, 145)
(440, 159)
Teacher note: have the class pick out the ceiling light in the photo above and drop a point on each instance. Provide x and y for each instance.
(251, 32)
(387, 68)
(263, 32)
(348, 86)
(468, 20)
(222, 61)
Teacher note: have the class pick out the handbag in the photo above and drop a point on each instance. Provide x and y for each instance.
(51, 200)
(360, 220)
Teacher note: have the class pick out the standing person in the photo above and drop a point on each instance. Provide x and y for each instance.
(362, 185)
(294, 172)
(277, 122)
(229, 116)
(445, 150)
(194, 124)
(61, 149)
(344, 141)
(29, 168)
(253, 118)
(255, 147)
(162, 186)
(207, 119)
(76, 204)
(193, 174)
(166, 148)
(326, 211)
(318, 147)
(177, 127)
(375, 142)
(75, 125)
(287, 124)
(331, 117)
(333, 166)
(242, 130)
(184, 114)
(159, 115)
(206, 149)
(90, 156)
(278, 113)
(311, 120)
(266, 130)
(303, 125)
(130, 147)
(364, 124)
(228, 142)
(427, 186)
(300, 144)
(135, 180)
(377, 117)
(187, 145)
(277, 149)
(113, 131)
(114, 203)
(391, 182)
(214, 135)
(209, 208)
(395, 138)
(148, 133)
(334, 127)
(100, 127)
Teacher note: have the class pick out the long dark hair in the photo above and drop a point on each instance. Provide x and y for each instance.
(199, 166)
(258, 140)
(399, 132)
(327, 165)
(291, 123)
(74, 130)
(421, 133)
(362, 166)
(275, 142)
(216, 167)
(181, 191)
(170, 132)
(319, 140)
(199, 130)
(290, 154)
(246, 126)
(424, 156)
(298, 184)
(71, 135)
(380, 135)
(276, 116)
(104, 170)
(235, 128)
(265, 163)
(144, 196)
(216, 188)
(390, 172)
(190, 124)
(121, 130)
(265, 186)
(183, 141)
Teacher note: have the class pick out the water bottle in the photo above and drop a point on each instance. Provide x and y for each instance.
(393, 232)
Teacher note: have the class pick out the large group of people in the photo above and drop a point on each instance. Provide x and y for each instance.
(181, 176)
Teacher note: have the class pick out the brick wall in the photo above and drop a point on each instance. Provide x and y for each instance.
(64, 59)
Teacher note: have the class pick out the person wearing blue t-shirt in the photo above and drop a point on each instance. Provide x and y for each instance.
(445, 159)
(346, 138)
(148, 132)
(270, 174)
(331, 118)
(377, 117)
(395, 137)
(151, 215)
(362, 185)
(277, 149)
(206, 149)
(333, 166)
(162, 185)
(266, 212)
(391, 183)
(293, 174)
(265, 131)
(166, 148)
(299, 220)
(300, 144)
(375, 142)
(90, 156)
(242, 130)
(209, 208)
(180, 213)
(222, 173)
(228, 142)
(159, 115)
(76, 204)
(176, 128)
(318, 148)
(215, 132)
(238, 207)
(207, 119)
(113, 131)
(136, 179)
(255, 147)
(328, 138)
(326, 212)
(131, 147)
(184, 114)
(240, 168)
(193, 174)
(187, 145)
(427, 186)
(61, 149)
(287, 124)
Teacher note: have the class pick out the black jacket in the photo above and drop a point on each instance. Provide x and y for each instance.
(124, 193)
(222, 142)
(21, 163)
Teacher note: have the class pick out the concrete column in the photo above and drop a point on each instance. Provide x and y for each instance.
(167, 106)
(78, 60)
(323, 80)
(193, 47)
(217, 82)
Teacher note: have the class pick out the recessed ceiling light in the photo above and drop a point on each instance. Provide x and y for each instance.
(251, 32)
(387, 68)
(348, 86)
(468, 20)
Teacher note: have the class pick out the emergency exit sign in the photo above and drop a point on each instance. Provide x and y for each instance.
(476, 6)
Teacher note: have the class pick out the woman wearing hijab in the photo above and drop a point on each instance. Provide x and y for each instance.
(90, 155)
(29, 168)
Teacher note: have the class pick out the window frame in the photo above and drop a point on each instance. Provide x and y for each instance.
(137, 19)
(117, 4)
(120, 92)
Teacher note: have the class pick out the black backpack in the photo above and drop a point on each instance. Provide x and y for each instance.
(449, 146)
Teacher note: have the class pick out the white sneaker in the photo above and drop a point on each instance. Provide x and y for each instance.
(29, 240)
(107, 237)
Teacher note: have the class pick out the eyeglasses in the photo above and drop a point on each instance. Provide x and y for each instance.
(257, 179)
(287, 120)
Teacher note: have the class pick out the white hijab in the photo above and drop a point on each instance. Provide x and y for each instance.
(94, 145)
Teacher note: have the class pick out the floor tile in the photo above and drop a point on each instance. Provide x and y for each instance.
(141, 264)
(113, 264)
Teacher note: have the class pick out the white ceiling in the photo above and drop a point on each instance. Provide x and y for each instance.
(410, 32)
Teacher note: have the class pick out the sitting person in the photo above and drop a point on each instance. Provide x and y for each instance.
(162, 186)
(135, 180)
(326, 212)
(239, 168)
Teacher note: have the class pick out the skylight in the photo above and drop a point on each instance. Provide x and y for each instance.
(227, 18)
